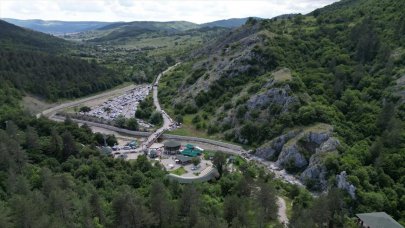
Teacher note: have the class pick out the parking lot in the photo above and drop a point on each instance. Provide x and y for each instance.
(124, 105)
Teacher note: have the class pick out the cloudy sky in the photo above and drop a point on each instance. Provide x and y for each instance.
(197, 11)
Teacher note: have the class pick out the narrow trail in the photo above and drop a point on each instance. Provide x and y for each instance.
(282, 211)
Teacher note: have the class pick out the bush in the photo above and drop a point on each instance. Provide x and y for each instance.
(156, 118)
(85, 109)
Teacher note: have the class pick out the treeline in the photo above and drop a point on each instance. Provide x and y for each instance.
(54, 77)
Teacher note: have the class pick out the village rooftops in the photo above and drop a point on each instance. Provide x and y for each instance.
(377, 220)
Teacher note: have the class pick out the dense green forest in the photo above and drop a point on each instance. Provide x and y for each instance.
(54, 77)
(344, 59)
(41, 64)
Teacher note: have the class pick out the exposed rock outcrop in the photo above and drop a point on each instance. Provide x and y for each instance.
(279, 96)
(303, 151)
(291, 157)
(270, 151)
(344, 184)
(315, 174)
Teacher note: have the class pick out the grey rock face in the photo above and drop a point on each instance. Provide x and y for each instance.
(291, 154)
(316, 172)
(271, 150)
(279, 96)
(317, 137)
(289, 149)
(329, 145)
(344, 184)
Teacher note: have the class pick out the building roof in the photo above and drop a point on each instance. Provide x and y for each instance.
(190, 152)
(190, 146)
(183, 158)
(378, 220)
(172, 143)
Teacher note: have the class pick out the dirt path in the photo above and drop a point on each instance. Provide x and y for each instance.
(282, 211)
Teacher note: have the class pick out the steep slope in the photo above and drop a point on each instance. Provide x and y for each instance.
(336, 66)
(57, 27)
(40, 64)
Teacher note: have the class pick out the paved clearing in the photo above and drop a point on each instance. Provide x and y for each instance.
(99, 97)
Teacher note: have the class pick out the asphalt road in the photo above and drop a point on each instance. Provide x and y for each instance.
(167, 121)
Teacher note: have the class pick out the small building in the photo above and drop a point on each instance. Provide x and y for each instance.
(191, 151)
(172, 147)
(377, 220)
(153, 154)
(183, 160)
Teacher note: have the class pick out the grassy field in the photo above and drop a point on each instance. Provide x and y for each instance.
(188, 129)
(179, 171)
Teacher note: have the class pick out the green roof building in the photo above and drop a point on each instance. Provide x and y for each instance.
(191, 151)
(377, 220)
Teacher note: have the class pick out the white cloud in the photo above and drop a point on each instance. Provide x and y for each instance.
(198, 11)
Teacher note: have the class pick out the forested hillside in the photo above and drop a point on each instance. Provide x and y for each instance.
(315, 93)
(41, 64)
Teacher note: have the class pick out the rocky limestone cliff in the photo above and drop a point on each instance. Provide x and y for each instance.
(303, 151)
(271, 150)
(344, 184)
(280, 96)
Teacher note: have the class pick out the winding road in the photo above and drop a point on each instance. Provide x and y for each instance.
(212, 144)
(167, 121)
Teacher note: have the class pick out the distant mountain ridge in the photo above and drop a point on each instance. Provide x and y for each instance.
(227, 23)
(56, 27)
